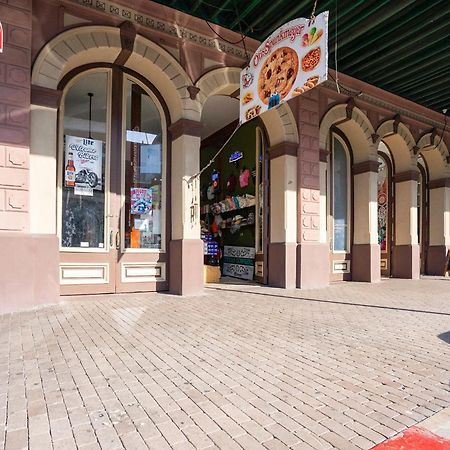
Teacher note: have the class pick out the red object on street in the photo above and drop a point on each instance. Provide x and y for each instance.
(415, 438)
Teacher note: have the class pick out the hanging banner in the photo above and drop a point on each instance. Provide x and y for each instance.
(291, 61)
(141, 200)
(83, 163)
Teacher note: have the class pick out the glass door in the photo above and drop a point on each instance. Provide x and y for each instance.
(87, 252)
(142, 259)
(112, 195)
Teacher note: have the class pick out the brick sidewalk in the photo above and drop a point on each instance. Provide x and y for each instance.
(228, 369)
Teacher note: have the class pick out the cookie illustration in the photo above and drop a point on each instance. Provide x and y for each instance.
(278, 74)
(311, 59)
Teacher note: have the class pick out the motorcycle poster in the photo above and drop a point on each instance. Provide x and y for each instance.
(84, 161)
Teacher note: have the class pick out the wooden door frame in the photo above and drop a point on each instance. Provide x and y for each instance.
(114, 134)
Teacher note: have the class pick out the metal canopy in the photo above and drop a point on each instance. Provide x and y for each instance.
(402, 46)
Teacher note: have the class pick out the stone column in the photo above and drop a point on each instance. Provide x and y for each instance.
(312, 253)
(186, 247)
(365, 249)
(283, 215)
(406, 250)
(439, 226)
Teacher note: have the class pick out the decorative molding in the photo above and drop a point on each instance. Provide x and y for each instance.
(432, 136)
(84, 273)
(283, 149)
(396, 123)
(42, 96)
(172, 29)
(143, 272)
(409, 175)
(440, 183)
(381, 103)
(193, 91)
(341, 266)
(349, 108)
(127, 37)
(365, 166)
(185, 127)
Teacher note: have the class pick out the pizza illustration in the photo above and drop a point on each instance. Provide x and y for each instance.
(278, 74)
(311, 59)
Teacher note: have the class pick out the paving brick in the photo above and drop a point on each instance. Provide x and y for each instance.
(354, 363)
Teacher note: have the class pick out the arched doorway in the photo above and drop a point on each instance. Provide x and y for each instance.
(385, 208)
(340, 206)
(112, 195)
(234, 193)
(422, 212)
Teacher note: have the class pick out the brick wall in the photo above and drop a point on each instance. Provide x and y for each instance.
(15, 69)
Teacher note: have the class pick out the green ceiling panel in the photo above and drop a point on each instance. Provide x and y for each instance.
(402, 46)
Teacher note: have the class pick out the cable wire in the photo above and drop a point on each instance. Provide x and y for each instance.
(198, 174)
(223, 39)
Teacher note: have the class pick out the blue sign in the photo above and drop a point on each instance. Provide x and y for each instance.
(235, 156)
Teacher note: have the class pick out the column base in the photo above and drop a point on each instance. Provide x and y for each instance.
(282, 261)
(366, 265)
(313, 265)
(29, 271)
(406, 262)
(186, 267)
(436, 259)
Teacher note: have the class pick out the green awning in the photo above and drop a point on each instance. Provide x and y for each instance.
(402, 46)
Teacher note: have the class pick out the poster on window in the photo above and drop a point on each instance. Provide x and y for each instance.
(290, 62)
(150, 161)
(141, 200)
(83, 168)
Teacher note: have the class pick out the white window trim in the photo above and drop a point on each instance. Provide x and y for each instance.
(127, 77)
(330, 187)
(61, 162)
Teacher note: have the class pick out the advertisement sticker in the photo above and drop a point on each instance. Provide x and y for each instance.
(141, 200)
(83, 164)
(291, 61)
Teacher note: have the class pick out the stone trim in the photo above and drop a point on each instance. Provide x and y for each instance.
(283, 149)
(185, 127)
(436, 184)
(160, 25)
(42, 96)
(409, 175)
(365, 166)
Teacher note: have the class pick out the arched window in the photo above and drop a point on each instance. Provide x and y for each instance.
(85, 137)
(340, 183)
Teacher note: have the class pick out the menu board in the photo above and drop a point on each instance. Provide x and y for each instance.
(291, 61)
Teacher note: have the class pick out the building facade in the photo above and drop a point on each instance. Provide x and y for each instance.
(356, 182)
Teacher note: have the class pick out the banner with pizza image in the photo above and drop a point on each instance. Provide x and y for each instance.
(291, 61)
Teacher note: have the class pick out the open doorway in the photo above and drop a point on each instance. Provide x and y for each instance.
(233, 205)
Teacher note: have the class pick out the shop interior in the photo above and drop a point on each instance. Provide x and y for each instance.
(232, 199)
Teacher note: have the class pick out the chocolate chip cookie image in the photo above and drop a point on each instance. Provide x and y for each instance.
(278, 73)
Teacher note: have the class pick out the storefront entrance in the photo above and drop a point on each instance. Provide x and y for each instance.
(112, 185)
(234, 193)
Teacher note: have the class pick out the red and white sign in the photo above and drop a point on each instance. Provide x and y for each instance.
(292, 60)
(1, 38)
